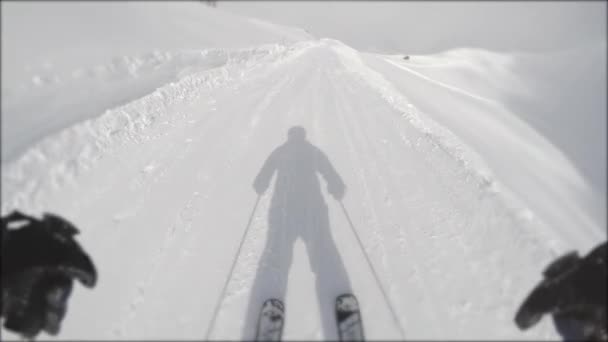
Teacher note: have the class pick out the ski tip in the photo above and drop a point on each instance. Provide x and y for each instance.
(347, 302)
(348, 318)
(275, 303)
(346, 295)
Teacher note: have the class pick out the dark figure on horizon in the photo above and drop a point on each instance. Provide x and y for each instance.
(298, 210)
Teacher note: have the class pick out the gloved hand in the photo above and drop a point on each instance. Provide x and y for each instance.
(337, 190)
(260, 186)
(40, 259)
(580, 312)
(574, 292)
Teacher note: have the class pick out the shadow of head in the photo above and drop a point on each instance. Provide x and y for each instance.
(296, 133)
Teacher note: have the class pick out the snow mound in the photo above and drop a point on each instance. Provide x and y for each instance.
(59, 157)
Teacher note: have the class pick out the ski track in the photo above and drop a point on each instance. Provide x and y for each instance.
(229, 126)
(377, 239)
(437, 237)
(442, 84)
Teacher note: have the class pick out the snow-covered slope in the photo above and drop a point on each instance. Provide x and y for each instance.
(160, 182)
(65, 62)
(479, 113)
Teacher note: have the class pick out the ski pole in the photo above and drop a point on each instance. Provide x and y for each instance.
(371, 266)
(236, 257)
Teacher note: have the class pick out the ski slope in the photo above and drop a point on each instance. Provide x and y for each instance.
(436, 240)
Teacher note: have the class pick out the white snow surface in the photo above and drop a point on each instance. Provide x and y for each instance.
(453, 205)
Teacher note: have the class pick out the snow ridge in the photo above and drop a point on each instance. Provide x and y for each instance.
(443, 138)
(59, 158)
(437, 133)
(64, 159)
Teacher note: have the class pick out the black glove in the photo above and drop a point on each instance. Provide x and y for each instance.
(574, 292)
(580, 313)
(40, 259)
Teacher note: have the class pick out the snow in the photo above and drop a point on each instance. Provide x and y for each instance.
(67, 60)
(152, 149)
(508, 141)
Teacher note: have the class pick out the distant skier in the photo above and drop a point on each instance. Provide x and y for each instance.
(574, 292)
(40, 259)
(298, 211)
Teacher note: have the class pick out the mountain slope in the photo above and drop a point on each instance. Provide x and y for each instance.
(165, 207)
(484, 119)
(72, 61)
(161, 184)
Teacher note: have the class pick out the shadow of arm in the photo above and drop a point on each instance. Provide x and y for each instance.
(335, 185)
(262, 180)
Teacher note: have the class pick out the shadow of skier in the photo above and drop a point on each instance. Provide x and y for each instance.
(298, 210)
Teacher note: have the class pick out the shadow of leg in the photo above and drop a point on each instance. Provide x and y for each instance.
(330, 273)
(272, 272)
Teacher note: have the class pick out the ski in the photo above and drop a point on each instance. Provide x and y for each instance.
(270, 323)
(348, 318)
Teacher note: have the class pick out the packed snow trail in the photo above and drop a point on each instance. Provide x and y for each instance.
(174, 193)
